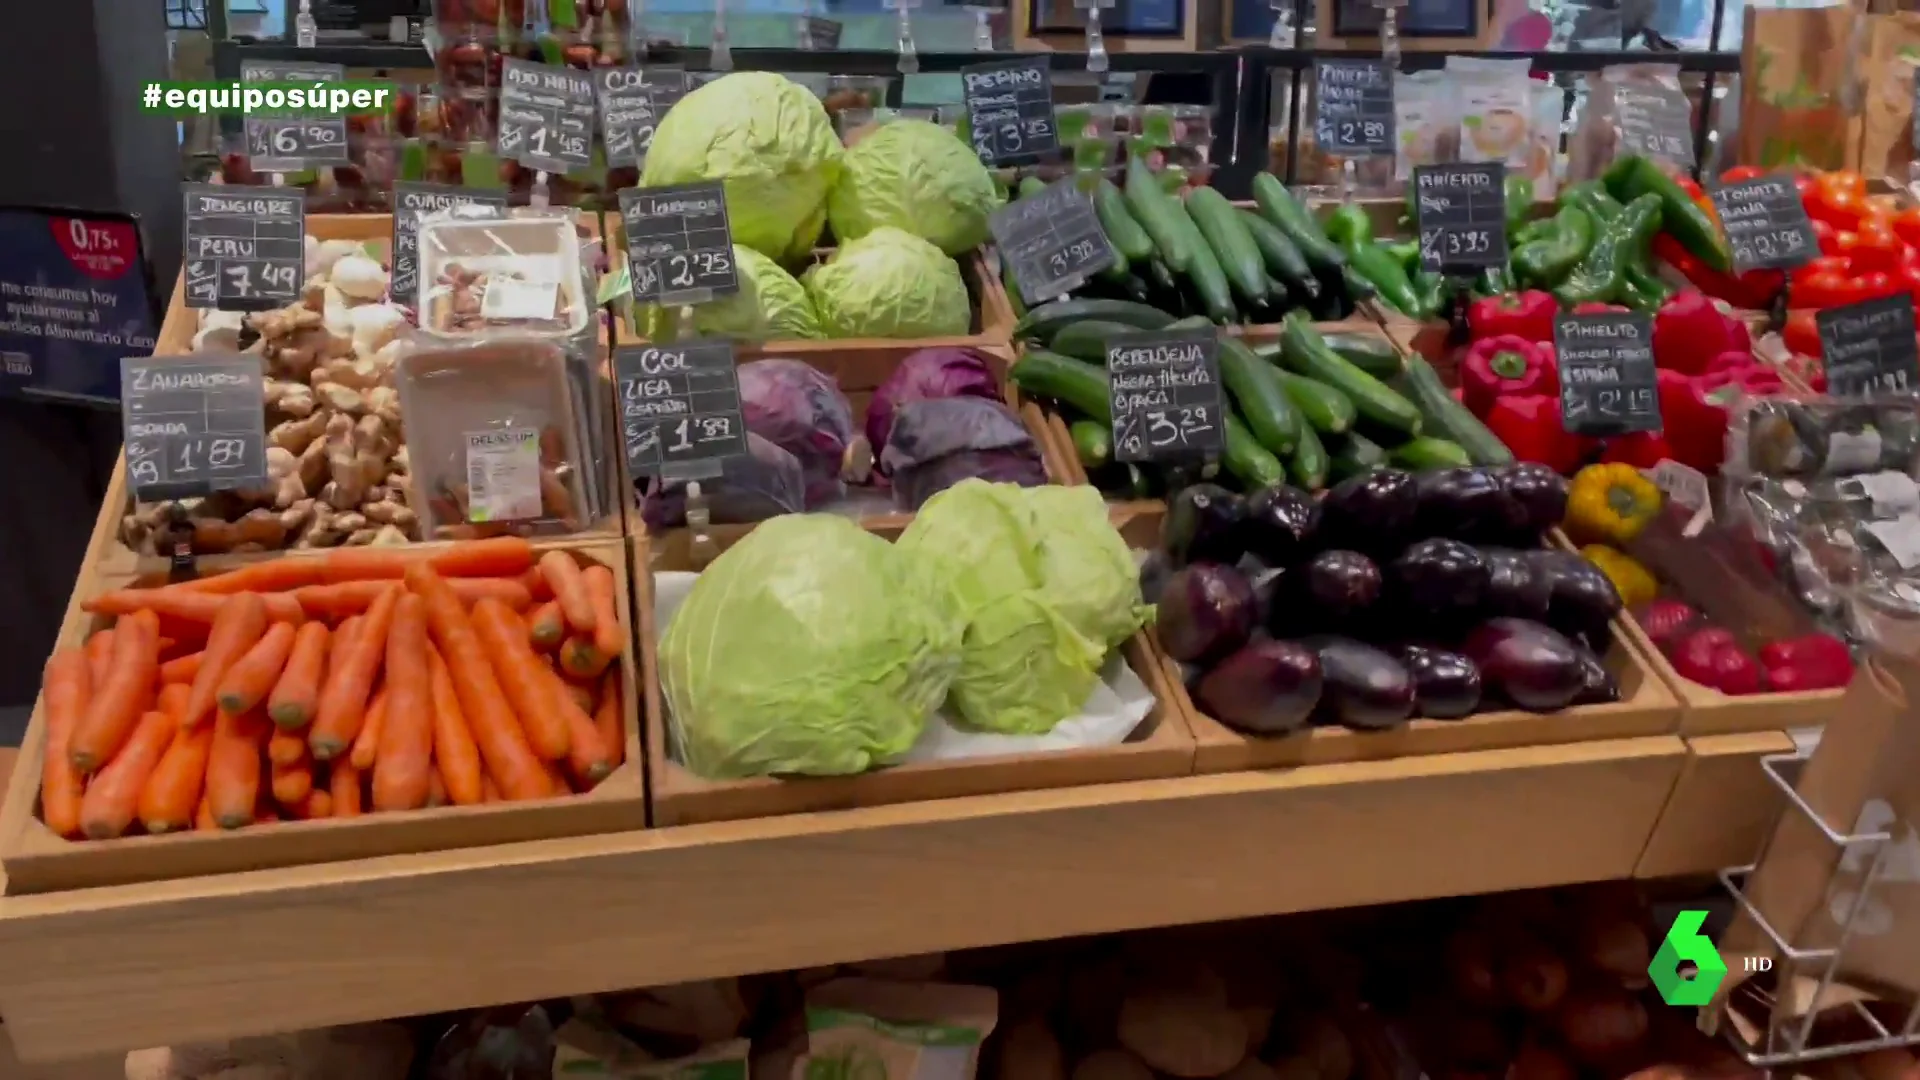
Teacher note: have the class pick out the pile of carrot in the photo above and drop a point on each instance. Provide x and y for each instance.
(359, 681)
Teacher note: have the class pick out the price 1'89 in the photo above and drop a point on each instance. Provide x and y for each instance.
(691, 430)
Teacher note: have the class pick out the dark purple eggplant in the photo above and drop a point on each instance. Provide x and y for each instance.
(1584, 599)
(1332, 589)
(1528, 663)
(1266, 688)
(1363, 688)
(1597, 684)
(1441, 577)
(1205, 612)
(1517, 584)
(1281, 523)
(1373, 513)
(1446, 685)
(1540, 492)
(1154, 571)
(1466, 504)
(1205, 523)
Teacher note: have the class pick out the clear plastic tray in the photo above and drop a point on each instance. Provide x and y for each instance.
(483, 271)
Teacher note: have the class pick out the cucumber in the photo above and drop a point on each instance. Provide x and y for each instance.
(1355, 455)
(1080, 386)
(1043, 322)
(1424, 452)
(1246, 459)
(1087, 339)
(1123, 232)
(1374, 355)
(1329, 411)
(1232, 245)
(1279, 206)
(1447, 418)
(1157, 211)
(1092, 443)
(1309, 464)
(1284, 261)
(1304, 352)
(1259, 398)
(1204, 272)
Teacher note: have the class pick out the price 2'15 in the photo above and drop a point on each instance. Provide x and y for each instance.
(1075, 254)
(272, 277)
(1623, 402)
(682, 269)
(705, 429)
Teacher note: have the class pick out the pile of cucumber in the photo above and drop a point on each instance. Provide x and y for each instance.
(1309, 409)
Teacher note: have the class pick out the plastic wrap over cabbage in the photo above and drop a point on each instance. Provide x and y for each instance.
(765, 483)
(889, 284)
(936, 444)
(811, 647)
(927, 374)
(916, 176)
(800, 408)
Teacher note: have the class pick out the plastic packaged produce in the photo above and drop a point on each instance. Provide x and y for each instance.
(917, 177)
(765, 483)
(936, 444)
(925, 375)
(485, 269)
(799, 408)
(889, 284)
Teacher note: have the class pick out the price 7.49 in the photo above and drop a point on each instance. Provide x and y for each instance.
(273, 277)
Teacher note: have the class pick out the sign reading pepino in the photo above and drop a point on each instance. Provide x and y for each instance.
(1685, 944)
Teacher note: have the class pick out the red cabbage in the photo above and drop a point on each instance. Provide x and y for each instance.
(926, 375)
(800, 409)
(937, 443)
(765, 483)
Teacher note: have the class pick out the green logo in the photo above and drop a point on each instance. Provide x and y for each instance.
(1685, 943)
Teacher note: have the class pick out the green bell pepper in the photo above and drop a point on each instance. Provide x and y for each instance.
(1601, 276)
(1591, 196)
(1349, 224)
(1519, 194)
(1633, 176)
(1546, 262)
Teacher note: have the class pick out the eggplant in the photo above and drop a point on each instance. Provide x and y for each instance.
(1281, 523)
(1528, 663)
(1584, 600)
(1597, 684)
(1205, 612)
(1373, 513)
(1467, 504)
(1517, 584)
(1446, 685)
(1205, 523)
(1362, 688)
(1539, 491)
(1442, 577)
(1266, 688)
(1154, 571)
(1332, 589)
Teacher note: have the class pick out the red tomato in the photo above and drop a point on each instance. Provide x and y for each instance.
(1836, 206)
(1824, 290)
(1907, 225)
(1843, 180)
(1875, 285)
(1827, 238)
(1909, 279)
(1742, 172)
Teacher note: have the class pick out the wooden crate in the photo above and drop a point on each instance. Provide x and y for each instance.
(35, 860)
(1161, 747)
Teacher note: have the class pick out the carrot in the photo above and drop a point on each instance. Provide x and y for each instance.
(286, 747)
(297, 692)
(537, 587)
(581, 694)
(343, 782)
(546, 627)
(67, 683)
(114, 794)
(173, 699)
(557, 778)
(496, 731)
(524, 680)
(343, 701)
(454, 753)
(353, 597)
(436, 788)
(488, 791)
(203, 815)
(403, 771)
(586, 757)
(606, 610)
(248, 682)
(183, 669)
(580, 658)
(569, 590)
(366, 745)
(319, 804)
(233, 768)
(190, 607)
(502, 556)
(173, 791)
(279, 575)
(114, 709)
(292, 783)
(241, 623)
(99, 658)
(607, 719)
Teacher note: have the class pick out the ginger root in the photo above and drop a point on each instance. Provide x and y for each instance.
(289, 399)
(296, 435)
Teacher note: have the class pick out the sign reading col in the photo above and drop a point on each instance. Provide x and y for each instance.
(76, 296)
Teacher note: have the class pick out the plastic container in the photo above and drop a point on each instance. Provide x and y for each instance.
(482, 271)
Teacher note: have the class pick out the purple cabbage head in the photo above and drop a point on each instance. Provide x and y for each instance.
(944, 372)
(765, 483)
(800, 409)
(937, 443)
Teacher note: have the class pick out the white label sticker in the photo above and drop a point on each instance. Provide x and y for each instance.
(1851, 453)
(503, 475)
(1891, 492)
(511, 298)
(1683, 484)
(1901, 537)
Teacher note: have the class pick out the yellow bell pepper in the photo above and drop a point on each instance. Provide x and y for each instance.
(1634, 582)
(1611, 503)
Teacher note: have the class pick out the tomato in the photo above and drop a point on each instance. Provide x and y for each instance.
(1826, 236)
(1825, 289)
(1837, 265)
(1909, 279)
(1836, 206)
(1873, 248)
(1907, 225)
(1801, 334)
(1875, 285)
(1843, 181)
(1742, 172)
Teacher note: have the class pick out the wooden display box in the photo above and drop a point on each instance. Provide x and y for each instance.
(1161, 747)
(34, 860)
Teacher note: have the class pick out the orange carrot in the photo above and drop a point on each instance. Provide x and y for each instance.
(343, 701)
(546, 627)
(580, 658)
(319, 804)
(173, 791)
(114, 709)
(537, 587)
(99, 658)
(557, 778)
(248, 682)
(366, 745)
(524, 679)
(353, 597)
(233, 768)
(403, 771)
(436, 788)
(286, 747)
(292, 783)
(190, 607)
(586, 757)
(488, 792)
(173, 699)
(296, 693)
(606, 610)
(497, 732)
(279, 575)
(67, 684)
(114, 794)
(454, 753)
(203, 814)
(608, 719)
(343, 782)
(503, 556)
(569, 590)
(581, 694)
(242, 621)
(183, 669)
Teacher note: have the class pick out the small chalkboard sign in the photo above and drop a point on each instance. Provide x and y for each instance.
(244, 247)
(546, 117)
(1353, 108)
(1010, 111)
(411, 202)
(818, 34)
(291, 143)
(193, 425)
(1655, 121)
(1765, 223)
(1053, 241)
(1869, 347)
(1461, 211)
(1164, 388)
(679, 243)
(679, 408)
(632, 102)
(1608, 383)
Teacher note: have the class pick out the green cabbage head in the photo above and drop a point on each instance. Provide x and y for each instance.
(770, 140)
(1088, 573)
(771, 304)
(916, 176)
(810, 647)
(889, 284)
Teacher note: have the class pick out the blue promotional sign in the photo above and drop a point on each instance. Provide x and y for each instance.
(76, 296)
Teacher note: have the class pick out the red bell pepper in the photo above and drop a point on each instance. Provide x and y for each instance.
(1812, 662)
(1532, 428)
(1735, 360)
(1754, 289)
(1527, 315)
(1689, 331)
(1693, 410)
(1506, 364)
(1640, 449)
(1594, 307)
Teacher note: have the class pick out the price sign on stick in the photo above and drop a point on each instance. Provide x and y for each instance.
(1655, 121)
(679, 243)
(244, 247)
(193, 425)
(820, 35)
(1461, 212)
(546, 117)
(1053, 241)
(1869, 347)
(1353, 108)
(1765, 224)
(411, 202)
(679, 408)
(291, 143)
(1010, 111)
(632, 101)
(1608, 383)
(1164, 388)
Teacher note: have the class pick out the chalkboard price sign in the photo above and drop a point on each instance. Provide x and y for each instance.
(1353, 108)
(1164, 388)
(1869, 347)
(1010, 111)
(1053, 241)
(245, 247)
(292, 143)
(821, 35)
(679, 408)
(679, 243)
(1765, 224)
(411, 202)
(1461, 211)
(1608, 383)
(193, 425)
(632, 101)
(1655, 121)
(546, 117)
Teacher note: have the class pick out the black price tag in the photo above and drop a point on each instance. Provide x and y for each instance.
(1608, 383)
(632, 102)
(679, 408)
(411, 202)
(1765, 224)
(1462, 215)
(546, 117)
(1164, 387)
(819, 35)
(245, 247)
(679, 244)
(291, 143)
(1010, 111)
(1353, 108)
(1655, 121)
(193, 425)
(1053, 241)
(1869, 347)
